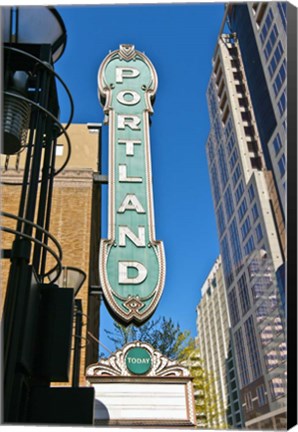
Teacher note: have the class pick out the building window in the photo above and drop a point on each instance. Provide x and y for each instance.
(235, 244)
(241, 357)
(280, 78)
(266, 335)
(222, 166)
(261, 13)
(243, 293)
(229, 202)
(239, 191)
(259, 233)
(282, 165)
(271, 42)
(277, 144)
(250, 246)
(236, 174)
(277, 55)
(282, 8)
(215, 183)
(262, 395)
(226, 261)
(210, 150)
(278, 327)
(255, 212)
(260, 287)
(277, 387)
(228, 128)
(252, 347)
(248, 402)
(282, 103)
(251, 192)
(233, 159)
(59, 149)
(264, 310)
(233, 307)
(231, 143)
(266, 26)
(271, 360)
(283, 351)
(245, 229)
(242, 209)
(221, 220)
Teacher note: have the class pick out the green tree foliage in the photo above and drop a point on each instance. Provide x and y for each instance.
(207, 412)
(163, 334)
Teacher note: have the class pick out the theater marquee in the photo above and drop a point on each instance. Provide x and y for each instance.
(132, 264)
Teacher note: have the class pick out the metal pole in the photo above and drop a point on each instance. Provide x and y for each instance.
(77, 343)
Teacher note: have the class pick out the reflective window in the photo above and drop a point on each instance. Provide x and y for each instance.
(215, 183)
(229, 202)
(271, 42)
(243, 294)
(236, 174)
(221, 220)
(231, 143)
(251, 192)
(275, 59)
(262, 397)
(241, 356)
(266, 26)
(277, 144)
(239, 191)
(222, 166)
(277, 387)
(280, 78)
(233, 307)
(259, 232)
(242, 209)
(226, 261)
(282, 165)
(282, 103)
(235, 243)
(252, 345)
(250, 246)
(210, 150)
(255, 212)
(245, 229)
(233, 159)
(282, 8)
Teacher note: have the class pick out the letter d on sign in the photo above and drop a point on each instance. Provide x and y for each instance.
(123, 267)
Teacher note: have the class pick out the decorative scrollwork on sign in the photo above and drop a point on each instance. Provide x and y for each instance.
(127, 52)
(115, 365)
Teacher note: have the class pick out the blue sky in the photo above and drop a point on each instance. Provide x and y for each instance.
(179, 39)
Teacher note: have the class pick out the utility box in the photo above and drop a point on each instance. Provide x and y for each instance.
(55, 332)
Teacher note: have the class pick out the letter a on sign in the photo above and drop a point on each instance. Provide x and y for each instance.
(131, 260)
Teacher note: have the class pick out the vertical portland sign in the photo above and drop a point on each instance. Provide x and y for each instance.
(132, 263)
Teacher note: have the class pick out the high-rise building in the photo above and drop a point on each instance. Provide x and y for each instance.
(250, 237)
(261, 29)
(215, 345)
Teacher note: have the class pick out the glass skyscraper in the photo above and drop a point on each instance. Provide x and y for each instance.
(247, 207)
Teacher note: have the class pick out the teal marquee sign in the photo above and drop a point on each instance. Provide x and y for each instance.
(138, 361)
(132, 263)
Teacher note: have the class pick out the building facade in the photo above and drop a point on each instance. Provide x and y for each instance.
(249, 236)
(213, 324)
(71, 220)
(261, 30)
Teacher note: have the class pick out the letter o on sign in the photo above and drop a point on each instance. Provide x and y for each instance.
(128, 97)
(138, 361)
